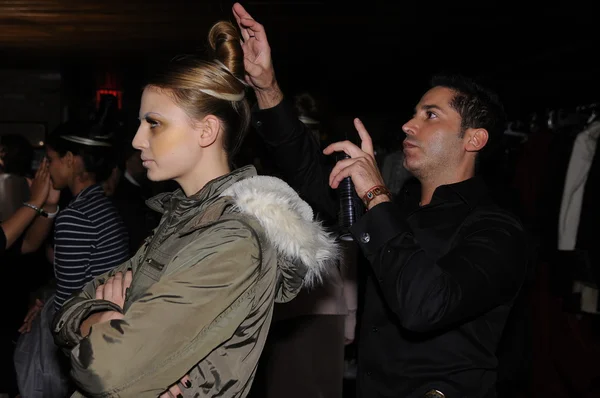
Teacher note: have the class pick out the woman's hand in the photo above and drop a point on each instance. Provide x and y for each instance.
(115, 288)
(41, 185)
(115, 291)
(175, 391)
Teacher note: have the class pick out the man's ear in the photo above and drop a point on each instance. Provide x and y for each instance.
(210, 127)
(475, 139)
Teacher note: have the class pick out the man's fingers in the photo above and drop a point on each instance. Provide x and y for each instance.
(251, 28)
(239, 11)
(366, 141)
(340, 165)
(258, 31)
(236, 9)
(340, 174)
(244, 31)
(366, 146)
(344, 146)
(244, 21)
(242, 16)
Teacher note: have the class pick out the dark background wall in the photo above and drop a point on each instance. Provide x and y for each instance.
(368, 59)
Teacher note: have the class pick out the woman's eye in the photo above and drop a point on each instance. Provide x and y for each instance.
(153, 123)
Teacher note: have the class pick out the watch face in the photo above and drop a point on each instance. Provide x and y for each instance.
(434, 394)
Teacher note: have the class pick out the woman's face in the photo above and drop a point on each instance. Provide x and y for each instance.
(59, 169)
(167, 138)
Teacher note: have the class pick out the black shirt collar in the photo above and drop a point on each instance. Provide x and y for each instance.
(469, 192)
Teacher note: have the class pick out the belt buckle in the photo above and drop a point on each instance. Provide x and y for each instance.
(434, 394)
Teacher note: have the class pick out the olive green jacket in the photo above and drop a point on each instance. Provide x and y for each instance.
(203, 291)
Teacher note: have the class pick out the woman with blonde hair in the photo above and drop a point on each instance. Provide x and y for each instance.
(197, 298)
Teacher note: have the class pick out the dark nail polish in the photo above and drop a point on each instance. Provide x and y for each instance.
(188, 384)
(179, 396)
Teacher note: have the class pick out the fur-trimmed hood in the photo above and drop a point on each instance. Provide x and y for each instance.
(305, 250)
(303, 246)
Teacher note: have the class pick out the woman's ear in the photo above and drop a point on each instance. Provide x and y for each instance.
(210, 127)
(68, 159)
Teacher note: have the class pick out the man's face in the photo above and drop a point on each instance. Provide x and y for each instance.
(433, 143)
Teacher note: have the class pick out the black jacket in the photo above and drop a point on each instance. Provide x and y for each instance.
(443, 276)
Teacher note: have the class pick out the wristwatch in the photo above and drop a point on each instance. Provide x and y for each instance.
(375, 191)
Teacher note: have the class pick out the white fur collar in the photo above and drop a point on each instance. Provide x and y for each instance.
(288, 223)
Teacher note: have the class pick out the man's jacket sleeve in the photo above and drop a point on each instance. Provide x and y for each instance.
(298, 155)
(486, 268)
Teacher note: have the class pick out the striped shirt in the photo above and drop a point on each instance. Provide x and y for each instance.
(89, 240)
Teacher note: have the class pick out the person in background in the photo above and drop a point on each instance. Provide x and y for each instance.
(35, 210)
(89, 239)
(89, 236)
(16, 157)
(131, 190)
(20, 234)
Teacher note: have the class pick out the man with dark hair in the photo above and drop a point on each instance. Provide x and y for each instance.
(446, 262)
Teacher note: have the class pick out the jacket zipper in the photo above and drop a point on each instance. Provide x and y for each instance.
(155, 264)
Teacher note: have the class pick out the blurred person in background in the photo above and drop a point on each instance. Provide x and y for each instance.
(89, 239)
